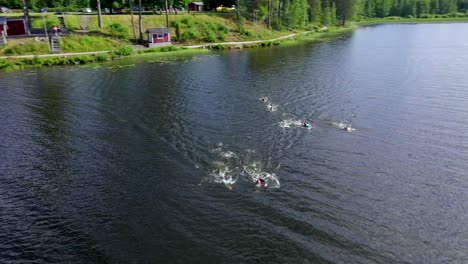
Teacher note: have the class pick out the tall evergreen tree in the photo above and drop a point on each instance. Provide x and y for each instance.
(316, 7)
(345, 10)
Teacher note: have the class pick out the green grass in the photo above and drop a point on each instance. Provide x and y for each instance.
(160, 53)
(84, 43)
(23, 47)
(38, 21)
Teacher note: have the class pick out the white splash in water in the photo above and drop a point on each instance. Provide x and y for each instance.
(287, 123)
(221, 173)
(341, 125)
(272, 107)
(255, 171)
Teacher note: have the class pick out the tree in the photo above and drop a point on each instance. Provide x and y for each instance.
(369, 8)
(316, 11)
(99, 13)
(345, 10)
(26, 16)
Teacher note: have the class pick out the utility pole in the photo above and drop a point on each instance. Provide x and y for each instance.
(167, 14)
(99, 14)
(26, 17)
(133, 22)
(140, 21)
(269, 14)
(45, 30)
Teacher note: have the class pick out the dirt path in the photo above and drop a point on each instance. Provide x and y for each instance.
(243, 42)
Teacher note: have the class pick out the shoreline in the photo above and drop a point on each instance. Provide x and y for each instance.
(77, 58)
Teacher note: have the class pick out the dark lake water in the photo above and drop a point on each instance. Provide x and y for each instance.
(155, 162)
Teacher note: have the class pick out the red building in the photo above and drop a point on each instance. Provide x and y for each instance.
(16, 27)
(158, 37)
(196, 6)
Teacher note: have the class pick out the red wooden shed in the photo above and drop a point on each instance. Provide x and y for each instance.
(158, 37)
(196, 6)
(16, 27)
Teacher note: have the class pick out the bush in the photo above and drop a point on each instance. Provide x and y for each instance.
(209, 36)
(189, 35)
(218, 47)
(119, 30)
(187, 21)
(177, 29)
(426, 16)
(169, 48)
(250, 34)
(393, 18)
(124, 51)
(102, 57)
(223, 28)
(221, 36)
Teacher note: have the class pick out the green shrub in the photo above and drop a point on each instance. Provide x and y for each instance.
(177, 29)
(209, 36)
(119, 30)
(250, 34)
(169, 48)
(222, 28)
(102, 57)
(393, 18)
(187, 21)
(218, 47)
(189, 35)
(426, 16)
(240, 26)
(221, 36)
(124, 51)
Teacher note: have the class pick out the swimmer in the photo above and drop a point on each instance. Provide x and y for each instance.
(270, 107)
(307, 125)
(261, 183)
(348, 128)
(264, 99)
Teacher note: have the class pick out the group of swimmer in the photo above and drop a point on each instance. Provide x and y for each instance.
(305, 124)
(261, 183)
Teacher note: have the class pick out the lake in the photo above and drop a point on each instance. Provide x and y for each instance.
(156, 161)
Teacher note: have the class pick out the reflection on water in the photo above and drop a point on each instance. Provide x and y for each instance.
(158, 162)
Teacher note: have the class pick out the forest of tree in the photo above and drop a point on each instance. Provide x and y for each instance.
(411, 8)
(282, 13)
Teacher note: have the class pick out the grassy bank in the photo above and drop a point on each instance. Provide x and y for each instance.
(187, 29)
(167, 52)
(161, 52)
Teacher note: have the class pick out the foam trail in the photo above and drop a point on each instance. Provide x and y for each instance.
(287, 123)
(255, 171)
(344, 126)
